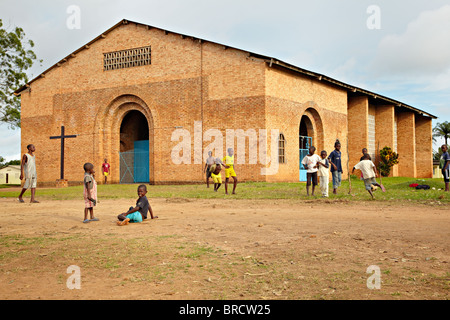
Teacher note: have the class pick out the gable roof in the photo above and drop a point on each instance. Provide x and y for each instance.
(270, 60)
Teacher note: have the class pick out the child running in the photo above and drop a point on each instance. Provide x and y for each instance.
(89, 192)
(138, 213)
(310, 164)
(369, 172)
(215, 173)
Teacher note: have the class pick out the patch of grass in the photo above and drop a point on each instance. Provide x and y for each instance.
(4, 186)
(397, 190)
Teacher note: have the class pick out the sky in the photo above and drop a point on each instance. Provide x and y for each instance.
(400, 49)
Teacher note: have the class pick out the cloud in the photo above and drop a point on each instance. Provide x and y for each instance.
(10, 143)
(423, 49)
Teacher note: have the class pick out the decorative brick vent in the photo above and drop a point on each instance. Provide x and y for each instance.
(127, 58)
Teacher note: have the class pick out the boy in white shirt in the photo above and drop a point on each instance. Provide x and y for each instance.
(324, 174)
(369, 172)
(310, 164)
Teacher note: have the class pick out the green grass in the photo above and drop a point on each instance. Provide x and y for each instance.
(3, 186)
(397, 189)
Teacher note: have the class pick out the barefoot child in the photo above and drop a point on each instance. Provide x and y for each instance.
(138, 213)
(310, 164)
(28, 166)
(323, 173)
(89, 192)
(369, 172)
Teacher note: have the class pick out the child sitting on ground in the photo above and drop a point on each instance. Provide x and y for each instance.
(138, 213)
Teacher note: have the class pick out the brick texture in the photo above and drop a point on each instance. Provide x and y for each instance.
(191, 81)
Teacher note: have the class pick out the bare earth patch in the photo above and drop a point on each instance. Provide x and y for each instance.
(225, 249)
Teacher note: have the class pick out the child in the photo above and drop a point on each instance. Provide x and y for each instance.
(208, 164)
(229, 170)
(323, 174)
(445, 166)
(364, 152)
(215, 173)
(138, 213)
(106, 169)
(336, 167)
(29, 166)
(369, 172)
(310, 164)
(89, 192)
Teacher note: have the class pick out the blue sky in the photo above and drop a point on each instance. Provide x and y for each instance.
(407, 58)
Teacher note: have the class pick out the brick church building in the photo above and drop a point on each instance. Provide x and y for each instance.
(124, 95)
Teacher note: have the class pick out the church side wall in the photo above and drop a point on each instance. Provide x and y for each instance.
(289, 97)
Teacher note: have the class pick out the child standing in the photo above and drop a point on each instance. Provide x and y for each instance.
(310, 164)
(445, 166)
(323, 174)
(336, 166)
(28, 166)
(208, 164)
(89, 192)
(369, 172)
(228, 160)
(106, 169)
(138, 213)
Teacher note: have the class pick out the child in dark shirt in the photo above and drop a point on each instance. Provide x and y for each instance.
(138, 213)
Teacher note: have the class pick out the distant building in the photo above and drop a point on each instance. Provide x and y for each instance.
(10, 175)
(437, 172)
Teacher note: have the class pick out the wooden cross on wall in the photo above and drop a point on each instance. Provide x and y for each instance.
(62, 137)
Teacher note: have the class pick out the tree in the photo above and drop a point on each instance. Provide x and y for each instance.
(16, 57)
(9, 163)
(442, 130)
(437, 154)
(388, 158)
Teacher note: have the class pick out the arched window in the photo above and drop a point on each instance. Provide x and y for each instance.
(281, 149)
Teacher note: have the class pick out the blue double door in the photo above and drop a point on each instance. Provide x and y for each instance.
(141, 161)
(304, 143)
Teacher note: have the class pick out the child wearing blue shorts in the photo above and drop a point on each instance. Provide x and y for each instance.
(138, 213)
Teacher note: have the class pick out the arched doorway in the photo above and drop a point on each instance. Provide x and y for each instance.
(304, 142)
(310, 134)
(134, 148)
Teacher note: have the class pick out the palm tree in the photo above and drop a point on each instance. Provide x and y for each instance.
(442, 130)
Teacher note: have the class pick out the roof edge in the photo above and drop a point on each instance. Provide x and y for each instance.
(270, 60)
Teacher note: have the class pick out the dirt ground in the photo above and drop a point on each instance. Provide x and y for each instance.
(225, 249)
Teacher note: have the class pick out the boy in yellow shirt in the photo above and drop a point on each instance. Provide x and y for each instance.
(229, 170)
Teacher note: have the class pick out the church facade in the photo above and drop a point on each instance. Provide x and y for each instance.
(154, 102)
